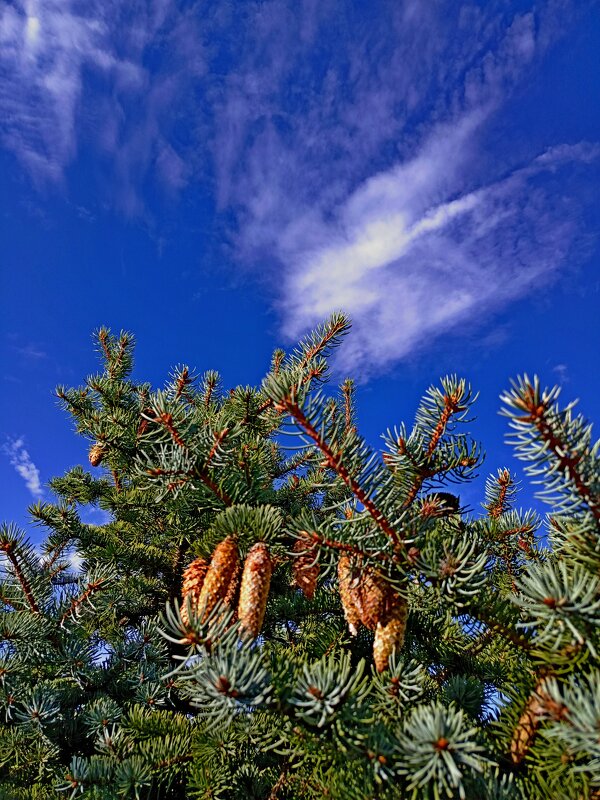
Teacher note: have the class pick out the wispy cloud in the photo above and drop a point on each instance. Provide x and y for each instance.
(31, 351)
(360, 157)
(73, 76)
(378, 194)
(21, 460)
(407, 270)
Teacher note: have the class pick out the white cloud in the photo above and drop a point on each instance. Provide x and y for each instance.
(73, 75)
(352, 155)
(440, 237)
(21, 461)
(407, 271)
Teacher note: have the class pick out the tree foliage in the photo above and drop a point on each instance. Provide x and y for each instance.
(470, 667)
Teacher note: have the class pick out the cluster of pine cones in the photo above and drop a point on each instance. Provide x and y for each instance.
(208, 584)
(366, 598)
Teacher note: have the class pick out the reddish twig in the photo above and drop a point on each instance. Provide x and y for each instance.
(219, 437)
(167, 421)
(10, 554)
(343, 547)
(78, 601)
(183, 382)
(103, 338)
(497, 509)
(322, 344)
(334, 463)
(451, 406)
(567, 463)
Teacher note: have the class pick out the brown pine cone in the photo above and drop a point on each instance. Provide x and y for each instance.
(254, 590)
(193, 580)
(231, 598)
(223, 565)
(96, 454)
(389, 633)
(305, 567)
(370, 596)
(347, 590)
(538, 706)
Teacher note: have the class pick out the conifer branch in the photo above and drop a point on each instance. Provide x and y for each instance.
(498, 506)
(77, 602)
(103, 339)
(347, 390)
(218, 441)
(166, 420)
(424, 472)
(511, 635)
(280, 783)
(337, 327)
(183, 381)
(8, 549)
(171, 762)
(210, 385)
(202, 475)
(344, 547)
(451, 406)
(117, 480)
(539, 411)
(334, 462)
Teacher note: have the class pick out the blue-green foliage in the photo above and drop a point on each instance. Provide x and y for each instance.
(106, 692)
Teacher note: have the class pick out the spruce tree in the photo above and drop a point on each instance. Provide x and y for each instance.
(275, 610)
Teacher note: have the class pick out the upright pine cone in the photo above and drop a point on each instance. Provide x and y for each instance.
(96, 454)
(254, 590)
(347, 591)
(193, 580)
(370, 596)
(305, 568)
(389, 633)
(223, 565)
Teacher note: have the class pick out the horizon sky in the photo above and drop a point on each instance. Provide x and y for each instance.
(219, 177)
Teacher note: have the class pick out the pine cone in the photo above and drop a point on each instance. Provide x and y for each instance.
(389, 633)
(347, 591)
(193, 580)
(223, 565)
(370, 596)
(231, 597)
(305, 568)
(256, 579)
(529, 722)
(96, 454)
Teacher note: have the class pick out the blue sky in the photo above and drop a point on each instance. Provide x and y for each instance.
(217, 177)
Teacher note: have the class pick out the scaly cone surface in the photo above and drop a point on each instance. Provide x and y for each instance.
(221, 571)
(193, 581)
(305, 567)
(348, 594)
(254, 589)
(389, 631)
(96, 454)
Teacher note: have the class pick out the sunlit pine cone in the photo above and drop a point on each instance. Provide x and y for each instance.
(390, 630)
(193, 580)
(347, 590)
(529, 722)
(305, 567)
(254, 589)
(231, 598)
(371, 596)
(223, 565)
(96, 454)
